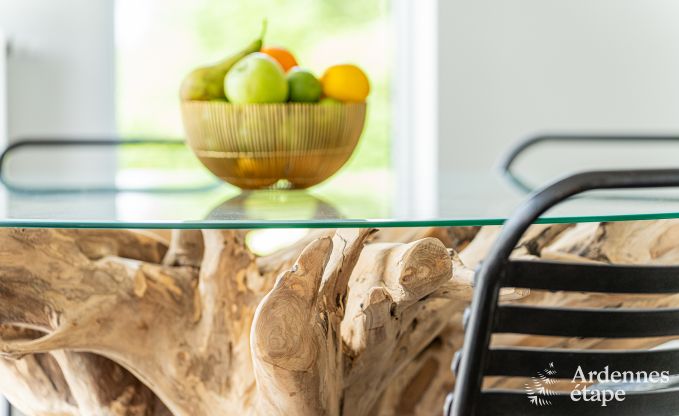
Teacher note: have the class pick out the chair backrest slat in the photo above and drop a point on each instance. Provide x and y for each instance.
(587, 323)
(489, 316)
(507, 403)
(607, 278)
(527, 362)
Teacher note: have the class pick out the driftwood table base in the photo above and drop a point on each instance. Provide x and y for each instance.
(346, 322)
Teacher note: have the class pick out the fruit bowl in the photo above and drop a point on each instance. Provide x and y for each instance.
(284, 145)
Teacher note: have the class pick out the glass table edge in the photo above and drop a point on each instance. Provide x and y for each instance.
(348, 223)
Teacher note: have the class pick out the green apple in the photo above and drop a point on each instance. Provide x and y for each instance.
(304, 86)
(257, 78)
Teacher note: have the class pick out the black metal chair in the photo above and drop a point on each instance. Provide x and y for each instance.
(478, 360)
(75, 144)
(516, 152)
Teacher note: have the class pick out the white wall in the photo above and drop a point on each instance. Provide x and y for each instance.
(61, 68)
(60, 82)
(512, 68)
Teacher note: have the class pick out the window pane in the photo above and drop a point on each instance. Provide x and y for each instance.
(159, 41)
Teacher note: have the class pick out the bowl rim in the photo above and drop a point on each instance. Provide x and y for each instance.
(230, 104)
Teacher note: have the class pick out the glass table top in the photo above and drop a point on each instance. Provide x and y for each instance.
(349, 200)
(187, 196)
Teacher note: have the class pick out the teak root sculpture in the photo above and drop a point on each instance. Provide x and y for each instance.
(346, 322)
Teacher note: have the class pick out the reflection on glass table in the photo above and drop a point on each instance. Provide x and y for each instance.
(273, 205)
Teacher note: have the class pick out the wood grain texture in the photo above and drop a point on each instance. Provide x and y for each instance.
(343, 322)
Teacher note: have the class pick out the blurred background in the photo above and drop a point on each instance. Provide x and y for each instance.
(158, 42)
(455, 84)
(106, 69)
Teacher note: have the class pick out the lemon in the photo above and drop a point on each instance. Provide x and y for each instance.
(345, 83)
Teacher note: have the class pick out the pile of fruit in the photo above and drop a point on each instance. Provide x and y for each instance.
(259, 74)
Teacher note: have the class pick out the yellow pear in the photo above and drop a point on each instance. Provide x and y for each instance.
(207, 82)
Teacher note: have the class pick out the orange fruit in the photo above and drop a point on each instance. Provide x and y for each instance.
(283, 56)
(345, 83)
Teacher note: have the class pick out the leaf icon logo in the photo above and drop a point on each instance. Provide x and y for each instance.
(537, 389)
